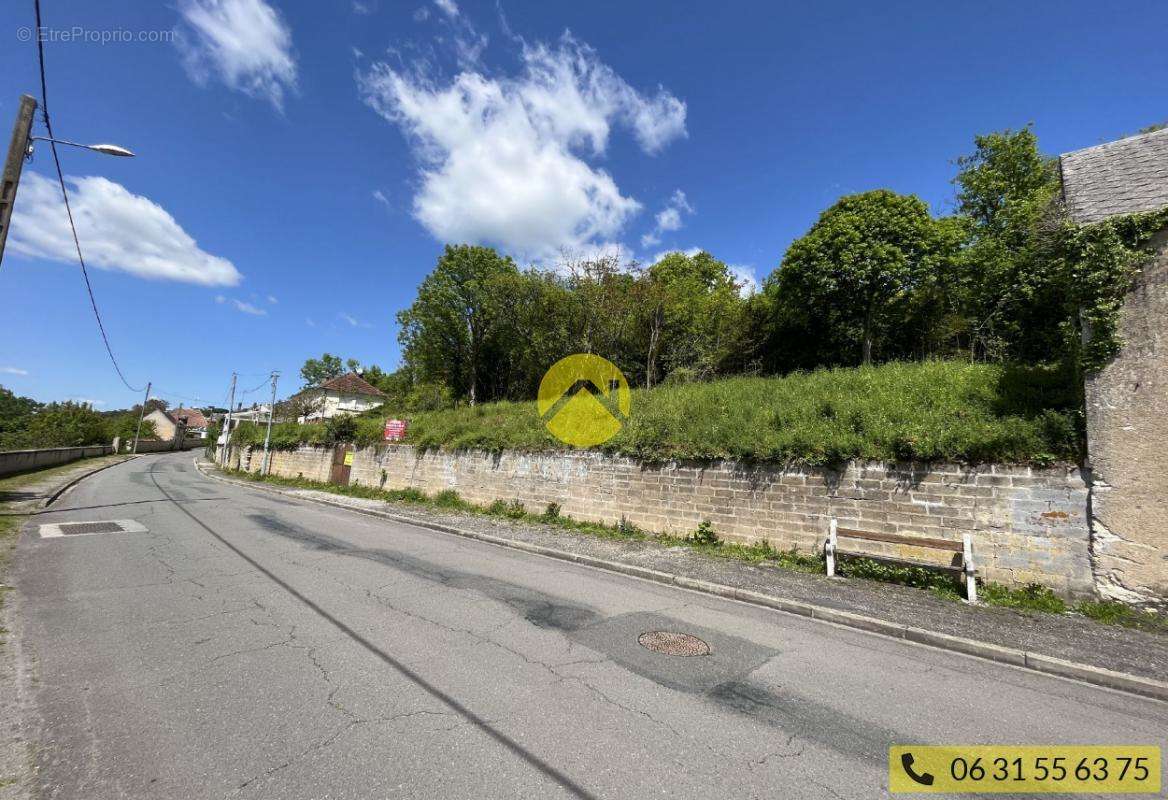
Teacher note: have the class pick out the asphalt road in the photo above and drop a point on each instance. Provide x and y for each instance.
(249, 645)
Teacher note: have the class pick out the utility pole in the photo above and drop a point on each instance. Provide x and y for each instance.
(268, 435)
(227, 424)
(141, 414)
(17, 153)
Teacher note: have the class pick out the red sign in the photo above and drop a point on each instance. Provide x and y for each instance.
(395, 430)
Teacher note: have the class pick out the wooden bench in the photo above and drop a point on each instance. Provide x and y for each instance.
(964, 548)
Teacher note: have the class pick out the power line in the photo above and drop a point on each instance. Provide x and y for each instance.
(160, 392)
(65, 194)
(267, 380)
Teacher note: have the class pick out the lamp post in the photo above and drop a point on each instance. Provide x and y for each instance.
(108, 149)
(20, 149)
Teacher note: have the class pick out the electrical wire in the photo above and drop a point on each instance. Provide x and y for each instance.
(266, 382)
(65, 195)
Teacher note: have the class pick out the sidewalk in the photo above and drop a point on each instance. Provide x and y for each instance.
(1063, 644)
(32, 491)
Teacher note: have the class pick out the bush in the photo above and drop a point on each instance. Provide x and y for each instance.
(552, 511)
(705, 534)
(340, 429)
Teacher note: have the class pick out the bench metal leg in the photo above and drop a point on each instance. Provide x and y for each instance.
(968, 568)
(829, 547)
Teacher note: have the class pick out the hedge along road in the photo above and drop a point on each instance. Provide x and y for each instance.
(252, 645)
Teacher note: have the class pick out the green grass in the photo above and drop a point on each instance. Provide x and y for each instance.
(1032, 598)
(1110, 612)
(928, 411)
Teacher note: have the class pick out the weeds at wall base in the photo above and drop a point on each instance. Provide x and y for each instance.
(1030, 598)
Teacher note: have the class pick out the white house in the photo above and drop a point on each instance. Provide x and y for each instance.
(346, 394)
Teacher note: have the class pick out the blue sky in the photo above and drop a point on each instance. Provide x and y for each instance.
(301, 162)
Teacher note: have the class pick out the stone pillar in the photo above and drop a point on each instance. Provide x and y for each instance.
(1127, 443)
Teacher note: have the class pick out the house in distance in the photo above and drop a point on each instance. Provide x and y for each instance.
(345, 394)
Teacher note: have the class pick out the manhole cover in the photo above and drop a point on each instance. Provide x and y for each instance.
(70, 528)
(670, 643)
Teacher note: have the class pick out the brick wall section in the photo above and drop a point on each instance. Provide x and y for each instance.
(1127, 438)
(1029, 525)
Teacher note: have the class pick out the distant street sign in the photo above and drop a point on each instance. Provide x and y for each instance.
(395, 430)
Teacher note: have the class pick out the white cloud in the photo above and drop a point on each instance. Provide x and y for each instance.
(448, 7)
(247, 44)
(241, 306)
(353, 321)
(118, 231)
(364, 8)
(668, 219)
(381, 197)
(503, 159)
(310, 322)
(273, 299)
(421, 14)
(13, 371)
(87, 401)
(745, 276)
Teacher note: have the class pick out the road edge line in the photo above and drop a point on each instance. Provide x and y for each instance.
(1023, 659)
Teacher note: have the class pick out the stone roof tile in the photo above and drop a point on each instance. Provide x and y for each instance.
(1127, 176)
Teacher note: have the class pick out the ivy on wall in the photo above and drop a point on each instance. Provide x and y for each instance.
(1102, 262)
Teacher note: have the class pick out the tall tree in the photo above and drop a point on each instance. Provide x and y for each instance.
(851, 276)
(1008, 287)
(693, 317)
(453, 330)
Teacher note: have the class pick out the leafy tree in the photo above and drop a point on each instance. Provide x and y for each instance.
(297, 406)
(67, 424)
(15, 412)
(1007, 286)
(850, 278)
(318, 370)
(455, 332)
(154, 403)
(694, 316)
(124, 425)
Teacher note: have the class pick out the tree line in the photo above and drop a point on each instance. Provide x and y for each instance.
(28, 424)
(1003, 278)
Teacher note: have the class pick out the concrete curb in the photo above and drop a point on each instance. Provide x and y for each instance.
(57, 494)
(43, 505)
(1034, 662)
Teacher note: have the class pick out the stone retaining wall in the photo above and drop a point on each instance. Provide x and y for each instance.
(1028, 525)
(14, 461)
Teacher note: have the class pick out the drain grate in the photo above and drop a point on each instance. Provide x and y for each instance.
(671, 643)
(89, 528)
(72, 528)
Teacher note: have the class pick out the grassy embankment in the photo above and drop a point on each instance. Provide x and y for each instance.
(930, 411)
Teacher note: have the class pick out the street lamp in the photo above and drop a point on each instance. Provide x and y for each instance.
(108, 149)
(20, 149)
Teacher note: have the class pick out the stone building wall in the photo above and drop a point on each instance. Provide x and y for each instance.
(1028, 525)
(1127, 438)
